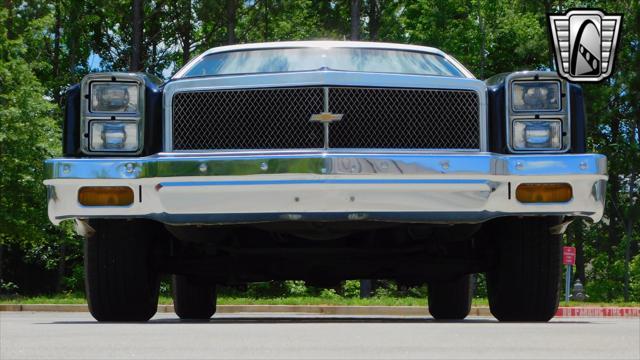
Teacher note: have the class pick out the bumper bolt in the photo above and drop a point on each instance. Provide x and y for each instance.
(583, 165)
(129, 168)
(66, 169)
(203, 168)
(264, 166)
(519, 165)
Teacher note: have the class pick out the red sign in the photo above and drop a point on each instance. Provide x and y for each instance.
(568, 255)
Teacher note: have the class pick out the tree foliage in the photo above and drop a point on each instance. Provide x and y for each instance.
(28, 135)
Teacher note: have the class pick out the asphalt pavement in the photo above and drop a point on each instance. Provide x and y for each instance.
(42, 335)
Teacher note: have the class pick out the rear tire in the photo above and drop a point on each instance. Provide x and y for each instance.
(121, 278)
(525, 285)
(193, 300)
(450, 300)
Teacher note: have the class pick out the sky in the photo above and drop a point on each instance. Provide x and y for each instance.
(94, 62)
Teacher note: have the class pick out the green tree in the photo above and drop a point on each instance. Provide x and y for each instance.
(28, 135)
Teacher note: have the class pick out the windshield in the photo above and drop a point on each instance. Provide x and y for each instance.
(306, 59)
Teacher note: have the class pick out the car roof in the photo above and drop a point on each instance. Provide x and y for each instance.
(318, 44)
(323, 44)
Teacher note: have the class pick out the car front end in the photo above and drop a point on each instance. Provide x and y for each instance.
(327, 151)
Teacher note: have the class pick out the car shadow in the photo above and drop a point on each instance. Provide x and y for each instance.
(314, 319)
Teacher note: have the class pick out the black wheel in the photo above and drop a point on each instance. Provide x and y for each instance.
(525, 284)
(193, 299)
(121, 277)
(450, 300)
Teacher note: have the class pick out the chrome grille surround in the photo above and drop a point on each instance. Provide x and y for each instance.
(374, 118)
(469, 92)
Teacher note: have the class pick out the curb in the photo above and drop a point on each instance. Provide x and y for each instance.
(632, 312)
(598, 312)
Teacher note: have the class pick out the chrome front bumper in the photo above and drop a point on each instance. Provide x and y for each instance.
(237, 187)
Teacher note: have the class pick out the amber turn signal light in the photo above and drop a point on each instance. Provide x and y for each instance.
(544, 193)
(105, 196)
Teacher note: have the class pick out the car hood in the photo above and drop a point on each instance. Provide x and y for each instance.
(322, 78)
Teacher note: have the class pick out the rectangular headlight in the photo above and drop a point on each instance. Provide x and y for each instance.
(116, 97)
(536, 95)
(112, 113)
(537, 134)
(113, 136)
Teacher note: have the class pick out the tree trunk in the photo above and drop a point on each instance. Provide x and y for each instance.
(136, 39)
(365, 289)
(154, 37)
(55, 61)
(232, 10)
(56, 41)
(8, 4)
(265, 34)
(483, 36)
(374, 19)
(579, 241)
(72, 43)
(627, 257)
(614, 187)
(187, 33)
(1, 261)
(62, 266)
(547, 10)
(630, 218)
(355, 20)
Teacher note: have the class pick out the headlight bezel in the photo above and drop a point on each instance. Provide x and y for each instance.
(562, 113)
(88, 114)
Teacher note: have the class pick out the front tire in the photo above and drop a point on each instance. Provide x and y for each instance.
(121, 277)
(450, 300)
(525, 285)
(193, 300)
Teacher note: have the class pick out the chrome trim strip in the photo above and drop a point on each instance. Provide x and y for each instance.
(325, 104)
(325, 78)
(320, 181)
(326, 185)
(322, 163)
(484, 119)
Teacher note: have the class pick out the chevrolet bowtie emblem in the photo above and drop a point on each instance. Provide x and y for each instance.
(326, 117)
(585, 43)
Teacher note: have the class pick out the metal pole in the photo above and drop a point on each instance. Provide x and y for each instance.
(567, 284)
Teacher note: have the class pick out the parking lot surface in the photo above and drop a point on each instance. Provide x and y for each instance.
(41, 335)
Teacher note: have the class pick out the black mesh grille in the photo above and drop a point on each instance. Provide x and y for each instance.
(279, 119)
(247, 119)
(404, 118)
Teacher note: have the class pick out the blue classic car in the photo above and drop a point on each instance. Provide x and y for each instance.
(324, 161)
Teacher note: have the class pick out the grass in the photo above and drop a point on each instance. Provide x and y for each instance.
(375, 301)
(301, 300)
